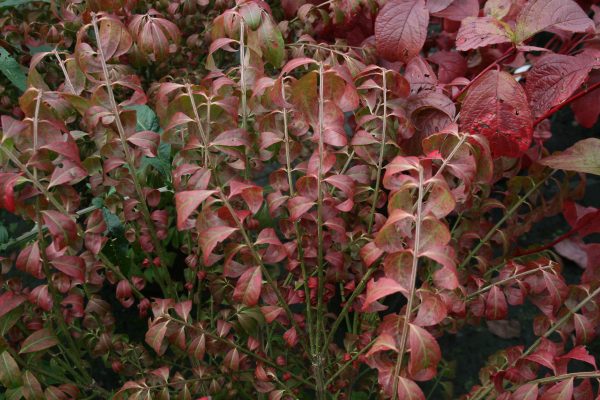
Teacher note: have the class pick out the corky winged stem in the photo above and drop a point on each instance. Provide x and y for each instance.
(381, 152)
(411, 289)
(288, 165)
(487, 388)
(502, 220)
(320, 326)
(167, 285)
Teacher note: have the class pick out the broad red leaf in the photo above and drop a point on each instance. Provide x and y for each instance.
(9, 301)
(496, 107)
(543, 358)
(381, 288)
(248, 287)
(480, 32)
(495, 304)
(29, 261)
(560, 391)
(584, 329)
(432, 309)
(145, 140)
(451, 65)
(298, 206)
(458, 10)
(38, 340)
(409, 390)
(211, 237)
(69, 173)
(197, 347)
(583, 156)
(401, 29)
(72, 266)
(528, 391)
(425, 354)
(384, 341)
(542, 15)
(580, 353)
(186, 202)
(369, 253)
(7, 191)
(156, 335)
(62, 227)
(587, 107)
(114, 38)
(554, 78)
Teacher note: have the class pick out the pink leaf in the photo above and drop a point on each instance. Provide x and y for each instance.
(528, 391)
(561, 391)
(401, 29)
(432, 310)
(9, 301)
(495, 304)
(39, 340)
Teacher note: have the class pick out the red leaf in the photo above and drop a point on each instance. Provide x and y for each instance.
(480, 32)
(211, 237)
(7, 191)
(384, 341)
(62, 227)
(542, 15)
(580, 353)
(496, 107)
(432, 310)
(291, 337)
(528, 391)
(495, 304)
(155, 336)
(186, 202)
(586, 108)
(451, 65)
(554, 78)
(147, 141)
(9, 301)
(72, 266)
(584, 329)
(369, 253)
(561, 391)
(248, 287)
(298, 206)
(70, 173)
(409, 390)
(583, 156)
(381, 288)
(39, 340)
(543, 358)
(425, 354)
(459, 10)
(401, 29)
(29, 261)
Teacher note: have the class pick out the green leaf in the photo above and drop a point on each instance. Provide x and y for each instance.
(12, 70)
(38, 340)
(14, 3)
(271, 41)
(146, 118)
(10, 375)
(583, 156)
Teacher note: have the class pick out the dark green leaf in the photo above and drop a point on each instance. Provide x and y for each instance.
(11, 69)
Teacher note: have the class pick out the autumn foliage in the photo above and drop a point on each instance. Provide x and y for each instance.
(296, 199)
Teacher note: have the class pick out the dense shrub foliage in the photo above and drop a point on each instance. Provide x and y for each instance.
(295, 199)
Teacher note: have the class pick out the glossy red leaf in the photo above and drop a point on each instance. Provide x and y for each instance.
(187, 201)
(425, 354)
(409, 390)
(145, 140)
(29, 261)
(496, 307)
(432, 309)
(496, 107)
(213, 236)
(9, 301)
(561, 391)
(248, 287)
(401, 29)
(37, 341)
(528, 391)
(379, 289)
(583, 156)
